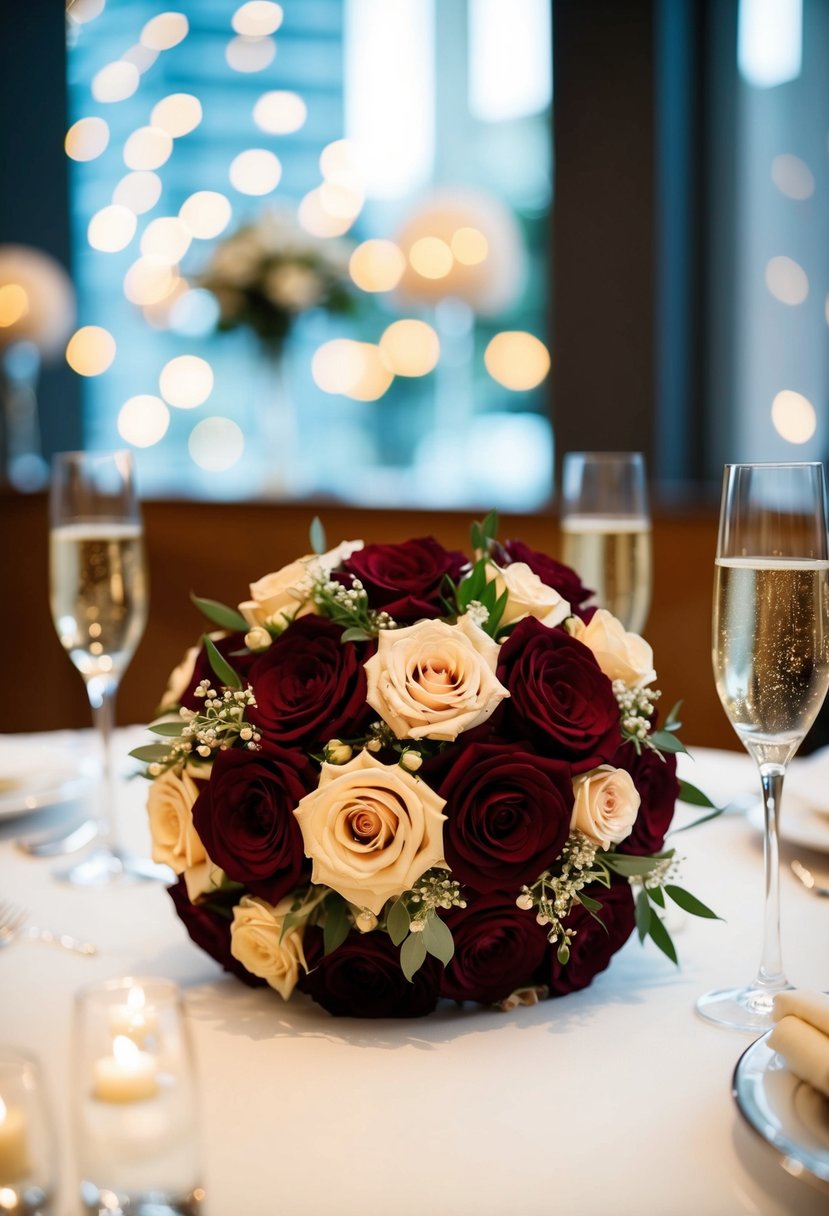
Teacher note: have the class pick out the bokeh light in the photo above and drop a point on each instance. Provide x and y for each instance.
(341, 201)
(351, 369)
(206, 213)
(166, 239)
(280, 112)
(411, 348)
(793, 416)
(112, 228)
(431, 257)
(787, 280)
(255, 171)
(159, 314)
(178, 114)
(315, 219)
(149, 280)
(250, 54)
(469, 246)
(138, 191)
(516, 359)
(257, 18)
(142, 56)
(216, 444)
(90, 350)
(143, 420)
(792, 176)
(81, 11)
(14, 304)
(195, 314)
(340, 161)
(86, 138)
(376, 265)
(147, 148)
(116, 81)
(165, 31)
(186, 382)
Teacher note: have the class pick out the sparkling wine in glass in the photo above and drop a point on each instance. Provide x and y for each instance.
(606, 530)
(98, 596)
(771, 665)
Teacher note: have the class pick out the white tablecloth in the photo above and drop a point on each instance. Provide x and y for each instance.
(612, 1100)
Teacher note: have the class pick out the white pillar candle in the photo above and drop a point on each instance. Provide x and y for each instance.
(136, 1020)
(128, 1075)
(14, 1148)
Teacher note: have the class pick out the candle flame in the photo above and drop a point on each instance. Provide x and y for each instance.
(125, 1051)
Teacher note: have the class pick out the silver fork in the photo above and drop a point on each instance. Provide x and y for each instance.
(12, 921)
(808, 879)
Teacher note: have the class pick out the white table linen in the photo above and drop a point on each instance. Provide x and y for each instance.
(615, 1099)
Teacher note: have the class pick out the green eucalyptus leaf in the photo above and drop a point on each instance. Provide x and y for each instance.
(337, 925)
(437, 938)
(397, 922)
(666, 742)
(629, 866)
(694, 797)
(150, 752)
(220, 614)
(644, 916)
(169, 730)
(317, 535)
(689, 902)
(412, 955)
(656, 895)
(490, 525)
(588, 902)
(355, 634)
(686, 827)
(660, 935)
(220, 666)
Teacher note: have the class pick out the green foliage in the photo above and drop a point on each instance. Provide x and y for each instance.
(398, 921)
(484, 532)
(689, 903)
(477, 588)
(220, 614)
(412, 955)
(222, 670)
(337, 925)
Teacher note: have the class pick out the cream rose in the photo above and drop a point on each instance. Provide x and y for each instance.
(527, 595)
(371, 830)
(606, 805)
(175, 842)
(279, 598)
(256, 940)
(621, 655)
(433, 680)
(202, 879)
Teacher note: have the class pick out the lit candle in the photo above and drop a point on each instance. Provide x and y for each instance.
(136, 1020)
(14, 1150)
(128, 1075)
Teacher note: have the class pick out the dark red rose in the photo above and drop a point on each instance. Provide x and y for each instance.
(594, 945)
(560, 699)
(309, 687)
(208, 925)
(508, 815)
(244, 817)
(228, 647)
(498, 948)
(362, 978)
(655, 778)
(553, 574)
(406, 580)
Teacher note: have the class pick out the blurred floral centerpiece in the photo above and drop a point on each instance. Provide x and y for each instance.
(398, 773)
(267, 273)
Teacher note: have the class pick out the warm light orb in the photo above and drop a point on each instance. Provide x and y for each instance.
(165, 31)
(90, 350)
(142, 56)
(793, 416)
(86, 138)
(518, 360)
(431, 257)
(138, 191)
(792, 177)
(206, 213)
(147, 148)
(340, 201)
(159, 314)
(352, 369)
(250, 54)
(178, 114)
(280, 112)
(315, 219)
(112, 228)
(255, 171)
(216, 444)
(166, 239)
(116, 81)
(469, 246)
(257, 18)
(375, 374)
(376, 265)
(14, 304)
(787, 280)
(411, 348)
(148, 281)
(340, 160)
(143, 420)
(186, 382)
(81, 11)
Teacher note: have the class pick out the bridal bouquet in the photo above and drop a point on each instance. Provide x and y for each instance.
(398, 773)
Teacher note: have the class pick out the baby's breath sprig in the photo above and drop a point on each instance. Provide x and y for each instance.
(636, 706)
(555, 892)
(216, 726)
(348, 606)
(414, 925)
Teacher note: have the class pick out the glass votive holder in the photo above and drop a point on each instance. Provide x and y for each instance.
(27, 1148)
(134, 1095)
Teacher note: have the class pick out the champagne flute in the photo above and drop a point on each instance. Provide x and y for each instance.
(771, 665)
(606, 530)
(98, 596)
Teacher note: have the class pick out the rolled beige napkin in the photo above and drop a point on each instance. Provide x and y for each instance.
(812, 1007)
(805, 1050)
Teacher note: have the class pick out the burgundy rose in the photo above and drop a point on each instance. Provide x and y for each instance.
(406, 580)
(559, 697)
(498, 948)
(553, 574)
(362, 978)
(245, 818)
(309, 687)
(229, 647)
(655, 778)
(208, 924)
(594, 945)
(508, 815)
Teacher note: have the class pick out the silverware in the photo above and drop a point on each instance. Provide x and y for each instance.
(59, 843)
(808, 879)
(12, 927)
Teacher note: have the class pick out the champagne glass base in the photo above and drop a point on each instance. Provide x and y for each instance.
(106, 868)
(747, 1008)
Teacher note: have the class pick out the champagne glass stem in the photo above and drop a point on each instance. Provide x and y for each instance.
(101, 691)
(770, 975)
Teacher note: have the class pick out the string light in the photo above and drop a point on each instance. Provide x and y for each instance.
(90, 350)
(115, 82)
(255, 171)
(178, 114)
(86, 138)
(257, 18)
(280, 112)
(250, 54)
(138, 191)
(166, 239)
(147, 148)
(206, 213)
(165, 31)
(186, 382)
(112, 228)
(410, 347)
(517, 360)
(376, 265)
(143, 420)
(216, 444)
